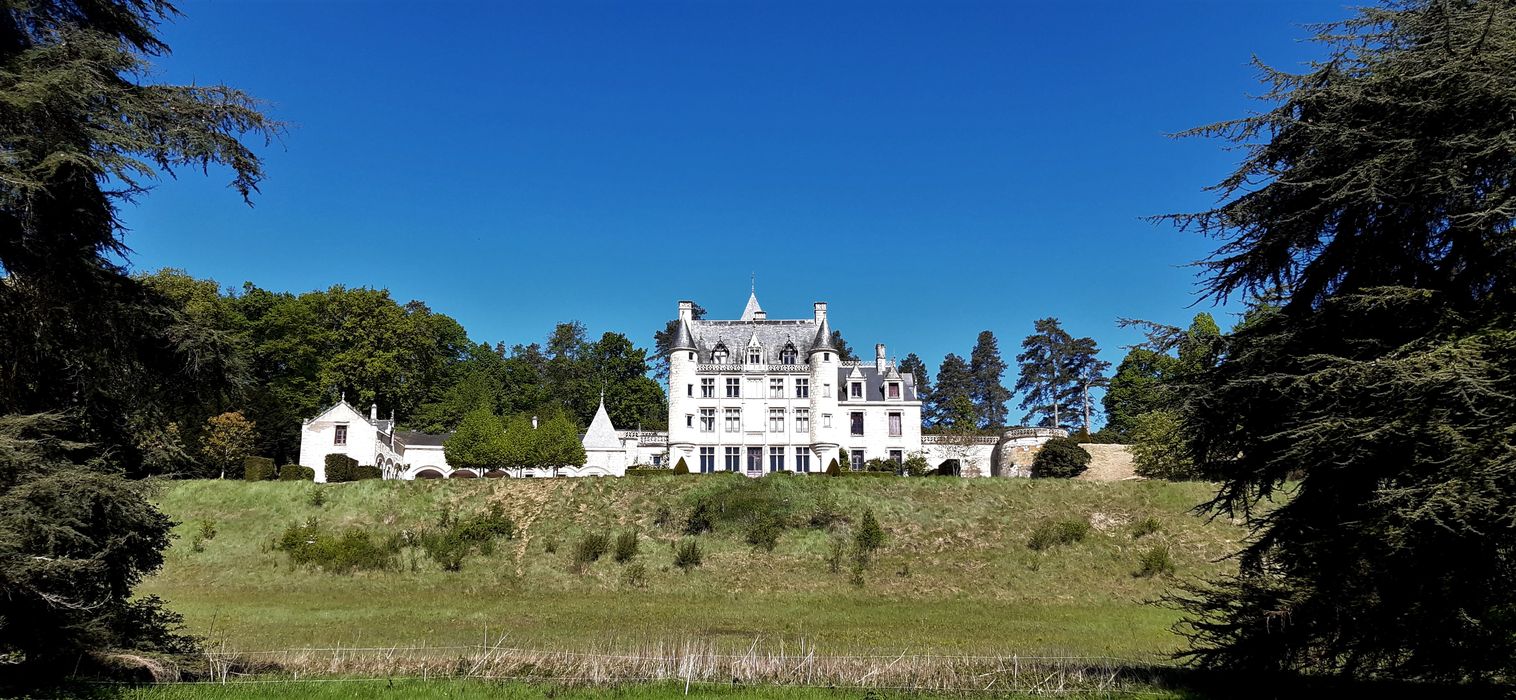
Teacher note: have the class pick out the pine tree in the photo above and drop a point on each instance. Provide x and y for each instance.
(1046, 381)
(1368, 229)
(988, 369)
(1087, 371)
(913, 365)
(954, 381)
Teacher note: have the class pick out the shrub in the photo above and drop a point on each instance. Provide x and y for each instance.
(295, 472)
(1156, 561)
(1058, 532)
(916, 465)
(367, 471)
(832, 468)
(312, 545)
(699, 520)
(882, 466)
(634, 576)
(826, 512)
(1144, 527)
(316, 498)
(763, 532)
(1060, 458)
(626, 547)
(681, 467)
(340, 468)
(687, 555)
(859, 566)
(207, 529)
(550, 545)
(649, 471)
(589, 549)
(1159, 450)
(454, 538)
(446, 547)
(259, 469)
(663, 517)
(836, 552)
(486, 526)
(869, 535)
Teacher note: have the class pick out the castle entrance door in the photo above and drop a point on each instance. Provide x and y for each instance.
(754, 461)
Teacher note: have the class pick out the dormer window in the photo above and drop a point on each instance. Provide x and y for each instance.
(855, 390)
(787, 355)
(719, 355)
(754, 356)
(894, 392)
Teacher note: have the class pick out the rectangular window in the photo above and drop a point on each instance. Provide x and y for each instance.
(857, 460)
(708, 388)
(707, 420)
(802, 388)
(755, 460)
(733, 388)
(826, 390)
(734, 459)
(689, 390)
(895, 424)
(776, 459)
(894, 390)
(802, 460)
(707, 460)
(754, 356)
(776, 388)
(855, 390)
(897, 456)
(340, 437)
(689, 420)
(776, 420)
(802, 420)
(857, 422)
(826, 420)
(734, 420)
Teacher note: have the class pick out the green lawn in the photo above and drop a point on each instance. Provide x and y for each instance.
(955, 575)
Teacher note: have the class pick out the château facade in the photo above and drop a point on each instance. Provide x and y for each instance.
(758, 395)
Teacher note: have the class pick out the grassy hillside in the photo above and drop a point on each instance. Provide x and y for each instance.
(955, 575)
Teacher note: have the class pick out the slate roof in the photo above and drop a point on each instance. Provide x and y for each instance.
(415, 439)
(773, 335)
(601, 434)
(751, 311)
(873, 382)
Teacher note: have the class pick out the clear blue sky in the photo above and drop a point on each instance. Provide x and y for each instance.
(931, 170)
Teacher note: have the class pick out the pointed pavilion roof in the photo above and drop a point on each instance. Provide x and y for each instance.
(823, 339)
(683, 338)
(601, 435)
(752, 311)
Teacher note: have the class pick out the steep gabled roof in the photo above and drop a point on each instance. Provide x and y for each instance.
(751, 312)
(601, 434)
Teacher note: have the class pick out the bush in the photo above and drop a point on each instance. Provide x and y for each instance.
(295, 472)
(1060, 458)
(340, 468)
(626, 547)
(836, 552)
(1156, 561)
(1058, 532)
(649, 471)
(681, 467)
(916, 465)
(589, 549)
(832, 468)
(869, 535)
(884, 466)
(826, 512)
(312, 545)
(1159, 450)
(367, 471)
(687, 555)
(1144, 527)
(634, 576)
(316, 498)
(486, 526)
(763, 532)
(259, 469)
(446, 547)
(663, 517)
(700, 519)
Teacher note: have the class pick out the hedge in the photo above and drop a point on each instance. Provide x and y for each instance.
(341, 468)
(649, 471)
(295, 472)
(368, 471)
(258, 469)
(853, 473)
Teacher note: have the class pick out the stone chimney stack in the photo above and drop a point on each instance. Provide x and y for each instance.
(373, 413)
(879, 358)
(820, 311)
(686, 310)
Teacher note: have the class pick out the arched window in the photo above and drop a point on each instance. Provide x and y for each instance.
(787, 355)
(719, 355)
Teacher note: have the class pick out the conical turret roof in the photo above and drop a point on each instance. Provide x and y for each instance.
(683, 338)
(601, 435)
(752, 311)
(823, 339)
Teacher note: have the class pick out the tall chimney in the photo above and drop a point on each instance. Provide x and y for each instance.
(820, 311)
(686, 310)
(879, 361)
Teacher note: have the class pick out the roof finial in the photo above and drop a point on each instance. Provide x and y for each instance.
(753, 283)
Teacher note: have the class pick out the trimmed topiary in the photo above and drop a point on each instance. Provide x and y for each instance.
(340, 468)
(833, 469)
(259, 469)
(681, 467)
(367, 471)
(295, 472)
(1060, 458)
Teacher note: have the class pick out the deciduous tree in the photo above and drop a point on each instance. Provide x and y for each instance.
(227, 440)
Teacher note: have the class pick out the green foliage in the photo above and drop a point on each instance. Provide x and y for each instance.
(479, 442)
(836, 552)
(341, 468)
(644, 470)
(1060, 458)
(832, 468)
(1159, 449)
(353, 549)
(699, 520)
(367, 471)
(826, 511)
(454, 538)
(987, 369)
(1046, 379)
(316, 497)
(952, 404)
(664, 516)
(1146, 526)
(634, 575)
(225, 442)
(1155, 561)
(681, 467)
(763, 532)
(1136, 389)
(687, 555)
(626, 547)
(879, 464)
(1055, 533)
(589, 549)
(258, 469)
(916, 465)
(295, 472)
(868, 536)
